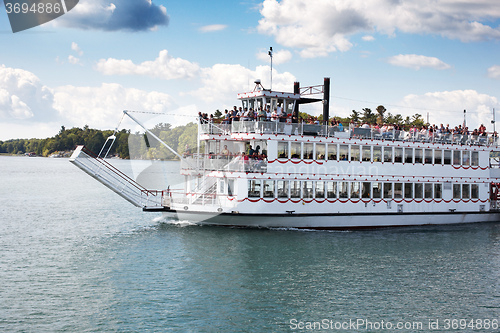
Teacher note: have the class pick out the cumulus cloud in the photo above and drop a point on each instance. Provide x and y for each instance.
(23, 96)
(101, 106)
(164, 67)
(107, 15)
(213, 27)
(222, 81)
(417, 61)
(76, 48)
(494, 72)
(320, 27)
(30, 109)
(73, 60)
(279, 57)
(445, 105)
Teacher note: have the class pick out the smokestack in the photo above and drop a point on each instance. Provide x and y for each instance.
(326, 100)
(296, 90)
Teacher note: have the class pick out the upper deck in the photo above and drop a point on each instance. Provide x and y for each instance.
(317, 130)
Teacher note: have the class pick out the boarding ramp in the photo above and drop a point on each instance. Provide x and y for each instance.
(116, 180)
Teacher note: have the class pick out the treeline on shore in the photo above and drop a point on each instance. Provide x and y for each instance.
(180, 138)
(67, 139)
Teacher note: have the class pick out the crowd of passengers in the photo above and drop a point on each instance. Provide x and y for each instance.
(245, 114)
(427, 130)
(279, 115)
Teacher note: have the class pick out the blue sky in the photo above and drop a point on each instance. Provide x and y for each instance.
(181, 57)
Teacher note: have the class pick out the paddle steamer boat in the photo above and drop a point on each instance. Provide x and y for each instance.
(317, 176)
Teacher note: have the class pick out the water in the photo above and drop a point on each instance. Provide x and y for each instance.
(75, 257)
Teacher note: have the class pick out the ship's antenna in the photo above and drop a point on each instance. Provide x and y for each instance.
(271, 55)
(493, 121)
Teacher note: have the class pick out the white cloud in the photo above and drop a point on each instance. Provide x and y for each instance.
(417, 61)
(223, 82)
(320, 27)
(23, 96)
(73, 60)
(76, 48)
(213, 27)
(101, 107)
(279, 57)
(368, 38)
(447, 107)
(494, 72)
(164, 67)
(30, 109)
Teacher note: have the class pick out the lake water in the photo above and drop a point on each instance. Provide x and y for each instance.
(75, 257)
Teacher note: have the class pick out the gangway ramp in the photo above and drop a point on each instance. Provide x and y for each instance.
(116, 180)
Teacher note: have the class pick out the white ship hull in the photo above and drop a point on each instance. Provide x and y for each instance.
(332, 221)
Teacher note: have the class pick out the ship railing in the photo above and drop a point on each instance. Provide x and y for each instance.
(219, 162)
(489, 139)
(195, 198)
(276, 127)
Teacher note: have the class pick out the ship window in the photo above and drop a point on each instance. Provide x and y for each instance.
(295, 150)
(377, 190)
(408, 190)
(282, 149)
(465, 158)
(282, 188)
(387, 190)
(254, 188)
(419, 190)
(447, 157)
(419, 156)
(475, 158)
(428, 156)
(230, 187)
(308, 151)
(268, 189)
(355, 190)
(343, 189)
(388, 154)
(474, 191)
(456, 191)
(354, 153)
(308, 189)
(331, 189)
(366, 152)
(437, 156)
(428, 191)
(245, 103)
(295, 189)
(332, 152)
(377, 154)
(465, 191)
(457, 159)
(408, 155)
(365, 190)
(320, 151)
(222, 186)
(320, 190)
(398, 190)
(344, 152)
(438, 191)
(398, 155)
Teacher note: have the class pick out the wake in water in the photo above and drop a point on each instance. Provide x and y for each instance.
(167, 220)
